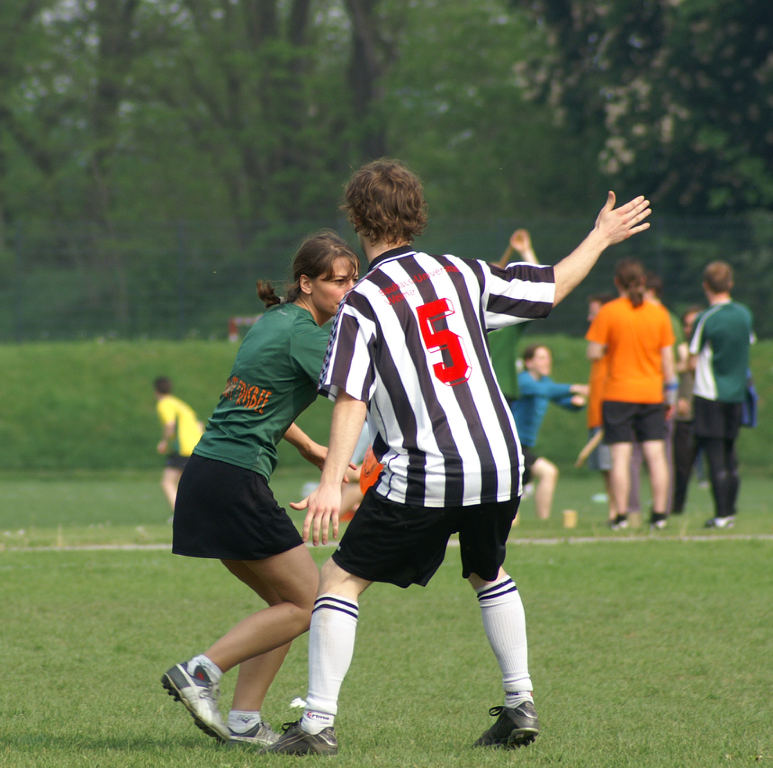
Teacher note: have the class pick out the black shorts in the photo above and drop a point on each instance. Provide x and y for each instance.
(633, 422)
(528, 462)
(715, 419)
(227, 512)
(403, 544)
(175, 461)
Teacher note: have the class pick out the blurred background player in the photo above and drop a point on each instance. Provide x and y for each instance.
(685, 448)
(226, 509)
(719, 351)
(503, 343)
(636, 336)
(536, 391)
(654, 292)
(181, 431)
(599, 458)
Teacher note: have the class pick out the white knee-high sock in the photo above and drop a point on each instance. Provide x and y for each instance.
(504, 622)
(331, 646)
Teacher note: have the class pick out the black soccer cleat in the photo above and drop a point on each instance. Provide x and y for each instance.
(619, 523)
(515, 727)
(658, 521)
(295, 741)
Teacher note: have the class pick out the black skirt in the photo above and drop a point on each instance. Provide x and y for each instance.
(227, 512)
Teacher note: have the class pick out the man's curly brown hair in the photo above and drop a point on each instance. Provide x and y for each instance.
(385, 202)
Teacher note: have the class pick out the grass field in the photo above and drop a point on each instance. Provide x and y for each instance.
(113, 508)
(645, 650)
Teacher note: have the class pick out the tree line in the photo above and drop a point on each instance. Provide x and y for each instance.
(116, 115)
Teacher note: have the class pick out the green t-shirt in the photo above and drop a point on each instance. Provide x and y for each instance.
(274, 378)
(721, 340)
(503, 345)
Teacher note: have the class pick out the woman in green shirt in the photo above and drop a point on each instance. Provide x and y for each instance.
(225, 508)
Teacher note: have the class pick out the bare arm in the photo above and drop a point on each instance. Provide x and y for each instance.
(324, 504)
(667, 361)
(167, 435)
(520, 241)
(613, 225)
(312, 451)
(595, 350)
(682, 358)
(669, 377)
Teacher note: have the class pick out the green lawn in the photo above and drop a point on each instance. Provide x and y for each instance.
(645, 650)
(99, 508)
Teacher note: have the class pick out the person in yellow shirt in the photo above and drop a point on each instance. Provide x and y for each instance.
(181, 432)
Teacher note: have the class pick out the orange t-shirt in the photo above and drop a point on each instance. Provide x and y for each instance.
(596, 381)
(634, 338)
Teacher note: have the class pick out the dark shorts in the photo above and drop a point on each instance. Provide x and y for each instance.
(529, 458)
(403, 545)
(715, 419)
(175, 461)
(227, 512)
(633, 422)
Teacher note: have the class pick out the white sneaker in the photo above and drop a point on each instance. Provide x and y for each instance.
(261, 735)
(721, 522)
(199, 695)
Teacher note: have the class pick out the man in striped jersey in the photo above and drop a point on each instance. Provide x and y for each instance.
(719, 351)
(409, 347)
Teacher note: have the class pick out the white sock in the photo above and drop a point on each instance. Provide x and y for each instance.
(512, 700)
(331, 646)
(213, 671)
(504, 622)
(240, 720)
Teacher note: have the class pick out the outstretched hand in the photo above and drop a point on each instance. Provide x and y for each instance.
(322, 506)
(618, 224)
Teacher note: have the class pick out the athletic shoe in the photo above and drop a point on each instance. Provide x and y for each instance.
(260, 735)
(619, 523)
(658, 521)
(199, 695)
(515, 727)
(720, 522)
(295, 741)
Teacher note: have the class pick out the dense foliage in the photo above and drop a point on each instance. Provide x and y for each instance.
(154, 152)
(244, 110)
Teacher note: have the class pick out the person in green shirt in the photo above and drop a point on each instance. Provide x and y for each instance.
(225, 508)
(719, 355)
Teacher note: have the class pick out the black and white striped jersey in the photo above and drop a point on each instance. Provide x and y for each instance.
(410, 340)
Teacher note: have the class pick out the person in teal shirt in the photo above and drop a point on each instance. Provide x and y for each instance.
(536, 391)
(225, 508)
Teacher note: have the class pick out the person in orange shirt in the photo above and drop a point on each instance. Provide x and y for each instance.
(637, 340)
(600, 459)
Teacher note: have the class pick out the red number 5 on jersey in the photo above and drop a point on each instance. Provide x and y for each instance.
(443, 339)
